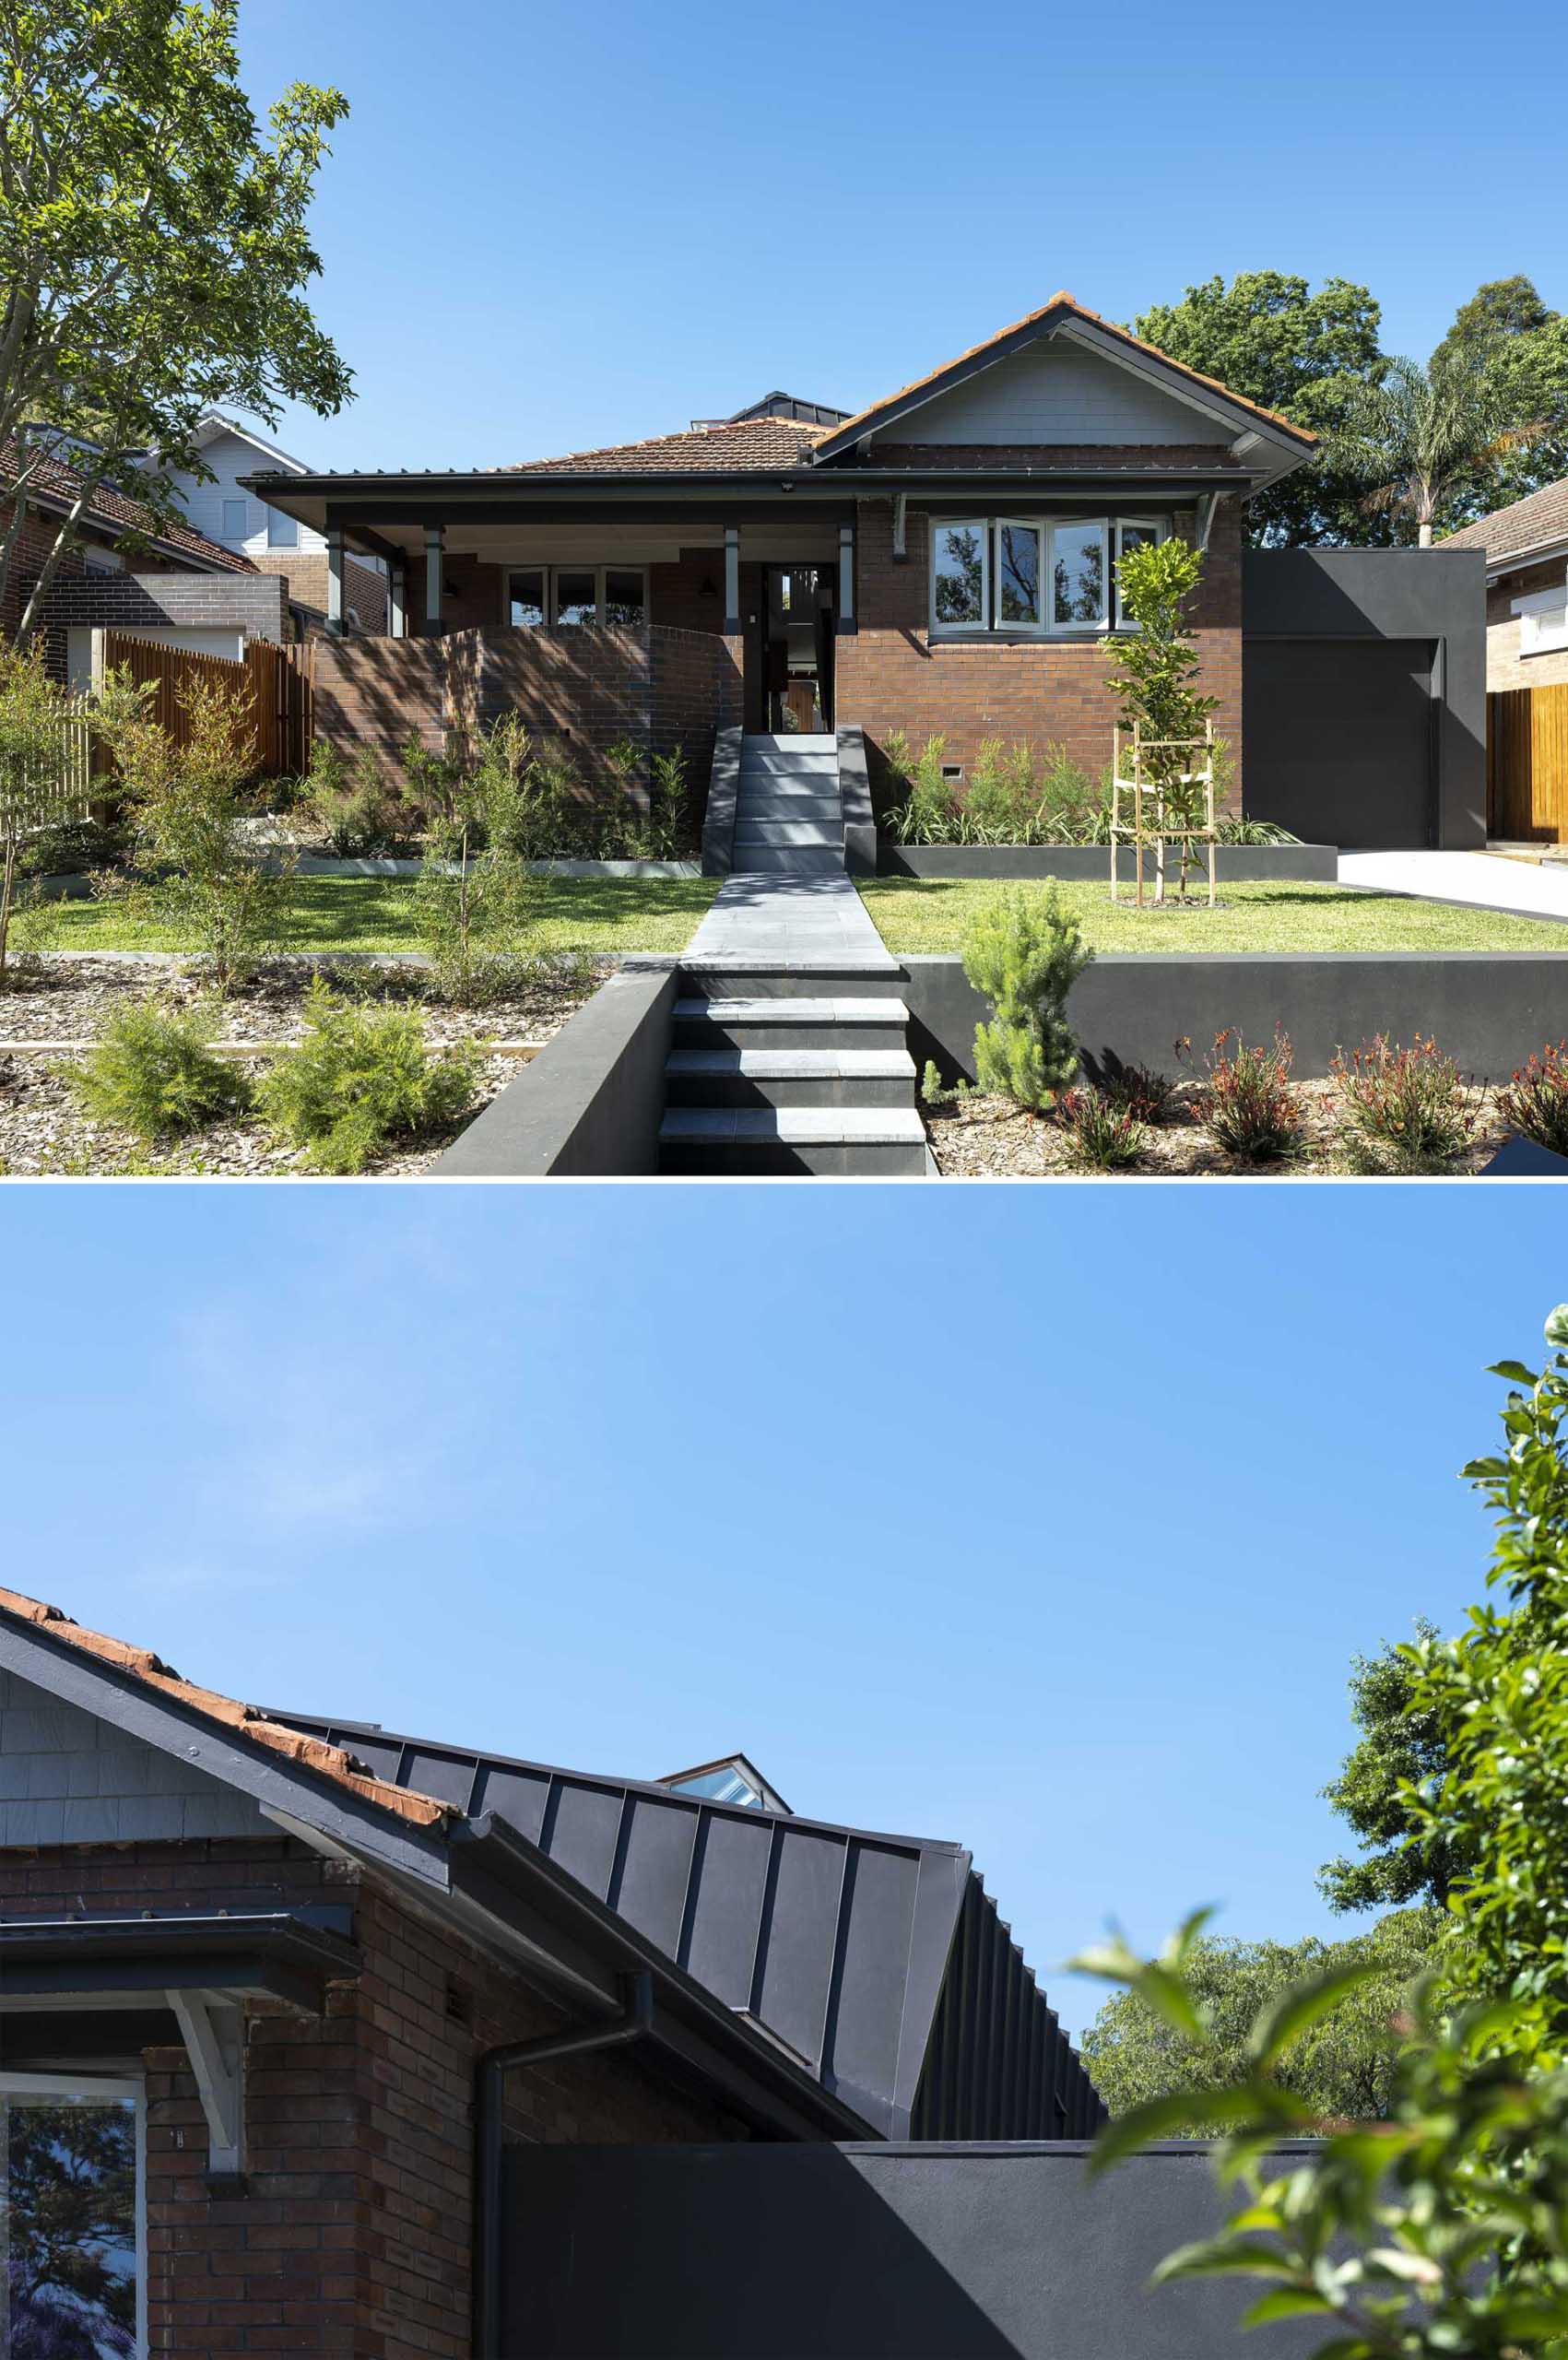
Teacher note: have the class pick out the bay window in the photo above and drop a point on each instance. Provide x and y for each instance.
(577, 596)
(72, 2214)
(1049, 575)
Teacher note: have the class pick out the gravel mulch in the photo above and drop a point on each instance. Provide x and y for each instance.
(977, 1137)
(44, 1133)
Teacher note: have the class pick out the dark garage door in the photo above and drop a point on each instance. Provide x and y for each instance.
(1339, 739)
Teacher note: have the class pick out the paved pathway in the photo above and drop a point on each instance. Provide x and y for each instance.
(1483, 880)
(789, 922)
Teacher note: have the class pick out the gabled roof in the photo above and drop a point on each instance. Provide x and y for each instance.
(56, 485)
(1063, 310)
(1536, 526)
(765, 443)
(213, 425)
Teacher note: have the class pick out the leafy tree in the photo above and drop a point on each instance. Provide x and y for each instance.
(36, 788)
(1268, 336)
(1522, 347)
(1158, 676)
(1400, 1746)
(153, 248)
(1024, 955)
(1425, 438)
(475, 893)
(1344, 2067)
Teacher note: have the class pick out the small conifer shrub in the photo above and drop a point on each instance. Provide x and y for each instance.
(362, 1078)
(154, 1073)
(1023, 953)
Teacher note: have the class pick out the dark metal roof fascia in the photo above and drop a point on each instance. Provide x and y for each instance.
(938, 1904)
(382, 495)
(501, 1870)
(270, 1953)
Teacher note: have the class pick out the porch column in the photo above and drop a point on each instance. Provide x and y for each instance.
(334, 582)
(398, 600)
(846, 577)
(435, 552)
(732, 581)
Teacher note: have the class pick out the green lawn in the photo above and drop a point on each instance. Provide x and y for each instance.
(376, 913)
(930, 913)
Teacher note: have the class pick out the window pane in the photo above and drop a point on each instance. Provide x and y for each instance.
(576, 596)
(726, 1785)
(1080, 572)
(69, 2210)
(282, 532)
(623, 597)
(233, 520)
(1135, 537)
(525, 599)
(1018, 573)
(958, 573)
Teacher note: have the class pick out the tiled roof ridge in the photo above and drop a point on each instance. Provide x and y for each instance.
(731, 427)
(333, 1762)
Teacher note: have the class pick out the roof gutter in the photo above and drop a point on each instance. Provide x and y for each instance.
(636, 2017)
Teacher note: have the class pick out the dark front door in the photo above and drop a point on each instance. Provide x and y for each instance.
(1339, 739)
(796, 651)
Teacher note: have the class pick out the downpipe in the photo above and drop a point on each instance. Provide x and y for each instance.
(636, 2018)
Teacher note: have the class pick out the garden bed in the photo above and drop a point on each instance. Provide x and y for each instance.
(44, 1132)
(979, 1138)
(1261, 863)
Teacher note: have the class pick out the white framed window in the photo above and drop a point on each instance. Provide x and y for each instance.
(74, 2190)
(1080, 590)
(1543, 621)
(1133, 533)
(282, 532)
(578, 596)
(1020, 574)
(234, 525)
(960, 573)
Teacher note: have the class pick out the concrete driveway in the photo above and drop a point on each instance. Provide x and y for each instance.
(1479, 880)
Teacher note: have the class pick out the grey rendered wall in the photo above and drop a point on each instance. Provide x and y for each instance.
(769, 2252)
(1436, 595)
(67, 1778)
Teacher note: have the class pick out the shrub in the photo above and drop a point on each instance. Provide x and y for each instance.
(929, 810)
(1103, 1135)
(1024, 954)
(1158, 673)
(154, 1073)
(1535, 1102)
(471, 902)
(1403, 1110)
(361, 811)
(1146, 1094)
(1249, 1103)
(36, 789)
(1007, 799)
(185, 801)
(361, 1077)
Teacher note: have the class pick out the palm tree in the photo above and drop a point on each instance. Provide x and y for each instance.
(1419, 432)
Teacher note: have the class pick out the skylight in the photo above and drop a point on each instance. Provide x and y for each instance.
(734, 1781)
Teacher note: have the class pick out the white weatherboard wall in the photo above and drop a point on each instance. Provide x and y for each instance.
(68, 1777)
(200, 641)
(231, 456)
(1057, 392)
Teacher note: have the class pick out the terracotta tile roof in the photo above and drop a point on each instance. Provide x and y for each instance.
(765, 443)
(333, 1762)
(53, 479)
(1063, 302)
(1541, 517)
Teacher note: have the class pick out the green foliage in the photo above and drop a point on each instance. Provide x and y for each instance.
(153, 1072)
(362, 1077)
(186, 802)
(362, 811)
(1268, 336)
(1344, 2065)
(1404, 1110)
(1534, 1099)
(154, 250)
(1156, 678)
(35, 790)
(1144, 1092)
(1400, 1746)
(1521, 347)
(1420, 438)
(1009, 798)
(1103, 1134)
(473, 893)
(1249, 1102)
(1023, 953)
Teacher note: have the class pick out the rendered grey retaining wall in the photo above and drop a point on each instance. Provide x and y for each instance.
(1486, 1009)
(1234, 864)
(590, 1103)
(764, 2251)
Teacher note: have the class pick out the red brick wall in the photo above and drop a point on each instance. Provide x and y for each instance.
(1505, 667)
(353, 2235)
(381, 692)
(893, 675)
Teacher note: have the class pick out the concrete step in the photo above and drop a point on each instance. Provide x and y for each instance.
(729, 975)
(756, 767)
(799, 742)
(752, 832)
(787, 800)
(775, 1077)
(823, 1025)
(834, 1142)
(787, 860)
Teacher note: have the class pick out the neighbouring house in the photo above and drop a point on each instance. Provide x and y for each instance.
(225, 510)
(941, 562)
(375, 2046)
(1526, 548)
(130, 570)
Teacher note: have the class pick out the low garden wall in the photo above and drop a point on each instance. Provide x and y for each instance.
(1234, 864)
(590, 1104)
(1486, 1009)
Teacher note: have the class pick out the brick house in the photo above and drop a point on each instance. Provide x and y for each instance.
(219, 507)
(1525, 546)
(130, 570)
(288, 1998)
(942, 561)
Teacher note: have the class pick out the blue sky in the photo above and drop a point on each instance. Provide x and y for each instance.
(548, 226)
(1045, 1519)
